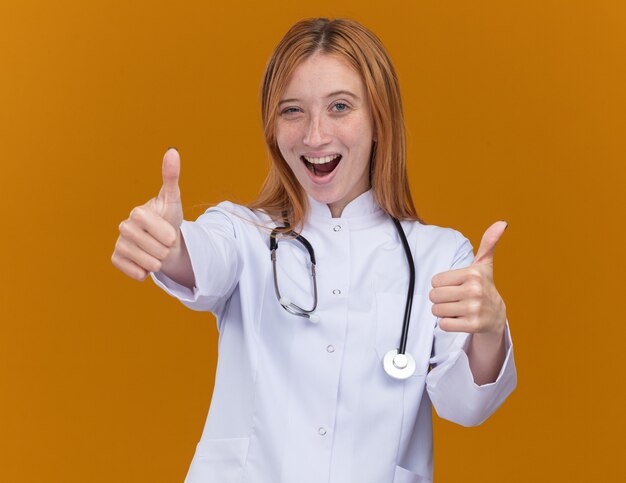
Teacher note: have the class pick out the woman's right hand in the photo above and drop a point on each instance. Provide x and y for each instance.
(150, 238)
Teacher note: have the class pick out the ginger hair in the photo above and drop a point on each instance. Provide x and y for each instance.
(281, 194)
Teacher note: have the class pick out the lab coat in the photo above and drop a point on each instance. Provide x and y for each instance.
(298, 402)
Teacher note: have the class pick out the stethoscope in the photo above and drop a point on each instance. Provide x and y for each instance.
(397, 362)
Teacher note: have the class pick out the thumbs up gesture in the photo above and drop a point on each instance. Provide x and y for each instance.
(466, 299)
(150, 236)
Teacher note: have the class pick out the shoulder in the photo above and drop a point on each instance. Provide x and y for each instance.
(434, 233)
(237, 217)
(440, 241)
(234, 211)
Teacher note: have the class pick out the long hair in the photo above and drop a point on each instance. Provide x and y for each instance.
(281, 194)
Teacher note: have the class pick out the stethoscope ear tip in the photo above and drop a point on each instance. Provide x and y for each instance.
(284, 301)
(314, 318)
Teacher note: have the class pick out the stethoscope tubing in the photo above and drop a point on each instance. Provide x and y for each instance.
(409, 298)
(289, 306)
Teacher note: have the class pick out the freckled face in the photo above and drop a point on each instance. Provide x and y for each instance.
(325, 130)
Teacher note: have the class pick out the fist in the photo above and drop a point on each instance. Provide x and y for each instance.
(151, 233)
(466, 300)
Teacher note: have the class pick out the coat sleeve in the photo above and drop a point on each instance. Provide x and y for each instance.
(215, 259)
(450, 383)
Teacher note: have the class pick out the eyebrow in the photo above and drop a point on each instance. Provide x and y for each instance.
(332, 94)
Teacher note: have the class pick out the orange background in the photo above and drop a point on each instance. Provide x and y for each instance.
(514, 110)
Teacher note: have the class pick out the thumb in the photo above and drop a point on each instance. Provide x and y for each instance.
(171, 171)
(488, 243)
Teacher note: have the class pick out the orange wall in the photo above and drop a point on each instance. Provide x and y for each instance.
(514, 110)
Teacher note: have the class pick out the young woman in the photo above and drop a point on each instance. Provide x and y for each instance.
(342, 317)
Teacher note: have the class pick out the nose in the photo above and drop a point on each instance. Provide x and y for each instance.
(315, 132)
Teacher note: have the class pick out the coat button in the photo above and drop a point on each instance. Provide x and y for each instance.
(330, 348)
(337, 227)
(321, 431)
(336, 292)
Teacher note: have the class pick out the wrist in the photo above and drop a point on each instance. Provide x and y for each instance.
(493, 335)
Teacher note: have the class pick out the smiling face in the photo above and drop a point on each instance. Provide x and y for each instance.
(325, 130)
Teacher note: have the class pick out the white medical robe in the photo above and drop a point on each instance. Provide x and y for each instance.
(298, 402)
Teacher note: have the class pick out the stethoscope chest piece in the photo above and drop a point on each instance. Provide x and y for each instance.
(399, 366)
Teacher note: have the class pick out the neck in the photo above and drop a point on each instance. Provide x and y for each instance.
(336, 209)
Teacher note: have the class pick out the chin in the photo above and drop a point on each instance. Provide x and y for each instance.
(324, 196)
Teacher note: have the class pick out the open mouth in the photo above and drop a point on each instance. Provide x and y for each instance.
(322, 166)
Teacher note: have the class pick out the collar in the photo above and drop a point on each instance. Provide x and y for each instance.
(363, 205)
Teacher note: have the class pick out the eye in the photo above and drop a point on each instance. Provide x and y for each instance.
(340, 107)
(290, 110)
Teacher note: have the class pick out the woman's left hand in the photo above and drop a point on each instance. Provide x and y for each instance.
(466, 299)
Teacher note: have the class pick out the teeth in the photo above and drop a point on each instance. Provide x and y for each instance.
(322, 160)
